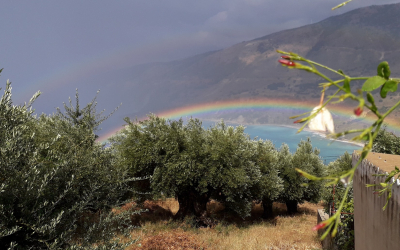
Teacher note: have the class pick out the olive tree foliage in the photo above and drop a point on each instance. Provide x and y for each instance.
(270, 185)
(236, 167)
(52, 176)
(386, 142)
(146, 146)
(194, 165)
(297, 188)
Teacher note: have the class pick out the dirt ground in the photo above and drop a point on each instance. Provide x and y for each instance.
(158, 230)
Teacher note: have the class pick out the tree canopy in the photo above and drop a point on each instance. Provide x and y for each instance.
(386, 142)
(193, 164)
(297, 188)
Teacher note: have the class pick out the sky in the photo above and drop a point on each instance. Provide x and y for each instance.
(45, 43)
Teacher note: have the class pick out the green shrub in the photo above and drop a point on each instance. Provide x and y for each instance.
(57, 185)
(386, 142)
(305, 158)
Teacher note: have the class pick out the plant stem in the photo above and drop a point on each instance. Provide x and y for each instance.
(360, 78)
(325, 67)
(390, 110)
(334, 83)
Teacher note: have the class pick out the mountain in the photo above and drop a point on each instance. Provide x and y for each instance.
(355, 42)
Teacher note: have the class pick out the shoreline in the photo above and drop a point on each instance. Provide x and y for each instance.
(322, 134)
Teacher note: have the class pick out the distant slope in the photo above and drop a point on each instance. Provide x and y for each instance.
(355, 42)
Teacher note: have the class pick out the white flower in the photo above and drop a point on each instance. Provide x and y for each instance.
(322, 121)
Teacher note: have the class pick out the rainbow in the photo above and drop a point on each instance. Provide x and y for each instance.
(264, 105)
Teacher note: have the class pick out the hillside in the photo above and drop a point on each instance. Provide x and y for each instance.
(355, 42)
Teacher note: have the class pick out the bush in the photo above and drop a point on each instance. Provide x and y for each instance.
(305, 158)
(386, 142)
(54, 177)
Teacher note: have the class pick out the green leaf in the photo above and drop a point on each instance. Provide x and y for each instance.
(370, 98)
(307, 175)
(387, 200)
(388, 86)
(373, 83)
(390, 176)
(346, 84)
(384, 70)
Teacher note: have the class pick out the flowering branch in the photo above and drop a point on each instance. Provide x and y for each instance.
(381, 80)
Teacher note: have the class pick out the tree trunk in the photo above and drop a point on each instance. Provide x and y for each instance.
(291, 207)
(192, 204)
(267, 205)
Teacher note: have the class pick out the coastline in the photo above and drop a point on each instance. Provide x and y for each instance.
(319, 133)
(324, 135)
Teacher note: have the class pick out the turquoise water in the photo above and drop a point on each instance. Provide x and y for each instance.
(277, 134)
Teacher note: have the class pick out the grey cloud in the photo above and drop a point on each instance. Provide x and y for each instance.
(46, 37)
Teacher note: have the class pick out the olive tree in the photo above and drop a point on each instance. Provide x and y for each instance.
(52, 174)
(232, 167)
(297, 188)
(386, 142)
(270, 185)
(168, 151)
(194, 165)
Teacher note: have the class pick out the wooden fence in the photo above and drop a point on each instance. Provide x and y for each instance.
(374, 228)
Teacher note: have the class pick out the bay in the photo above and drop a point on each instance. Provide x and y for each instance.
(329, 150)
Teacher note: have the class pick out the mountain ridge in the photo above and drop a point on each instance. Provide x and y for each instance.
(356, 42)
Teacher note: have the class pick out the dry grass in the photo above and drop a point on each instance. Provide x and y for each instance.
(159, 231)
(175, 239)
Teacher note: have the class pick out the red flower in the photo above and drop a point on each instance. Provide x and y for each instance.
(358, 111)
(297, 121)
(287, 63)
(320, 226)
(376, 192)
(286, 57)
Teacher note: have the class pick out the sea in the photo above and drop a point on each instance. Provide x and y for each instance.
(330, 150)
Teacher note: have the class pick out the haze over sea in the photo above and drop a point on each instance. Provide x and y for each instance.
(329, 150)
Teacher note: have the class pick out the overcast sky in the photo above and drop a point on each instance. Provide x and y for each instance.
(46, 41)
